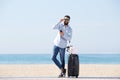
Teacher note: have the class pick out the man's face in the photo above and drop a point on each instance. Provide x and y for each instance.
(66, 21)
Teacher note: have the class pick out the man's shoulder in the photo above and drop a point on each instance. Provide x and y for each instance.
(61, 24)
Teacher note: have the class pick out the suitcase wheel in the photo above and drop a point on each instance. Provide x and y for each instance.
(76, 76)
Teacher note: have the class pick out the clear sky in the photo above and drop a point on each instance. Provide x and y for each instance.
(26, 25)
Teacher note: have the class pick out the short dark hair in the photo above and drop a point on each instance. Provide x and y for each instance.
(67, 16)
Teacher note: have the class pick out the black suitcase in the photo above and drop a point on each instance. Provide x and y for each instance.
(73, 65)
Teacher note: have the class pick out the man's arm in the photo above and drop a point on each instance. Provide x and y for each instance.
(57, 26)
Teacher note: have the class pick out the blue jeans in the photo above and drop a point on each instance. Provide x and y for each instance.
(61, 51)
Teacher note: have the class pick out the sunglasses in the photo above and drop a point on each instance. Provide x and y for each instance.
(67, 19)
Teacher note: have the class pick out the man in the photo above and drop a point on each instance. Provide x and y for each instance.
(60, 43)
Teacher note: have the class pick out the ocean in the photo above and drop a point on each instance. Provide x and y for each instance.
(46, 58)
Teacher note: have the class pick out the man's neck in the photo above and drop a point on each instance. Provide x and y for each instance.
(65, 25)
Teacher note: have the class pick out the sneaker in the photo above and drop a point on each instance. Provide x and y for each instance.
(61, 75)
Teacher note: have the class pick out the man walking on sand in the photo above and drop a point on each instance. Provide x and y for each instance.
(60, 43)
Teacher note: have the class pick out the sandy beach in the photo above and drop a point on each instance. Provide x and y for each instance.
(50, 70)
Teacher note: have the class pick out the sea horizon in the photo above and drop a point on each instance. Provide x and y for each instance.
(46, 58)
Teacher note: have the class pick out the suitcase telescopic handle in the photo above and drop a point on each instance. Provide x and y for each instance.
(69, 43)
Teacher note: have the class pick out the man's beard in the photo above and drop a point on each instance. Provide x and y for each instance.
(65, 23)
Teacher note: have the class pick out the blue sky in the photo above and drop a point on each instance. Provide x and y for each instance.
(26, 25)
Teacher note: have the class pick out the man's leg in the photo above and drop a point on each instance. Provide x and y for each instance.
(62, 57)
(54, 57)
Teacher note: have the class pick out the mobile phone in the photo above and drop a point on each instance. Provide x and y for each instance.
(60, 30)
